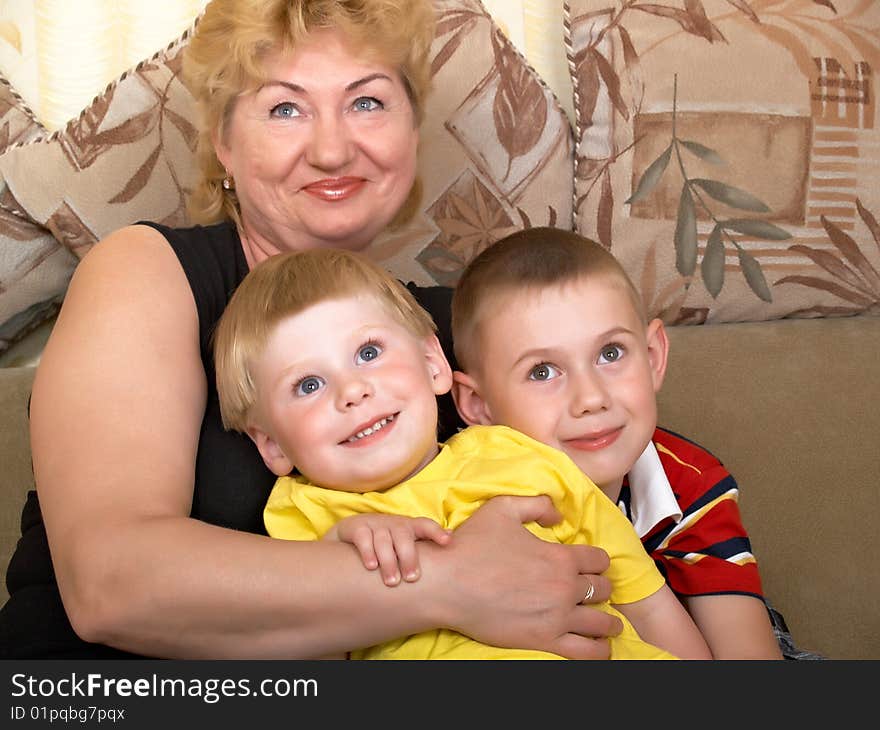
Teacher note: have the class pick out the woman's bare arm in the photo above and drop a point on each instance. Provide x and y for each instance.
(115, 418)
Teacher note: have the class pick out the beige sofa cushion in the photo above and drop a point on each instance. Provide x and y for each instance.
(729, 157)
(790, 408)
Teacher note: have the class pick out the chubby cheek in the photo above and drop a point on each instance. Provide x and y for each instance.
(647, 415)
(269, 158)
(304, 427)
(263, 167)
(533, 416)
(639, 396)
(399, 163)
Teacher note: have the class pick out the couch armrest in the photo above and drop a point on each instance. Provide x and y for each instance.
(16, 473)
(791, 408)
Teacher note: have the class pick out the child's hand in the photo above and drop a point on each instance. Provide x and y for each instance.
(388, 542)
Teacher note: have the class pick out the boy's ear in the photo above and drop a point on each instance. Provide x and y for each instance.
(273, 457)
(473, 410)
(658, 351)
(438, 366)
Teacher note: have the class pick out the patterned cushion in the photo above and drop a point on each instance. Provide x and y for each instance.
(728, 153)
(34, 268)
(127, 156)
(496, 151)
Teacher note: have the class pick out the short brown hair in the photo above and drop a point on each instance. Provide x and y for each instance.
(285, 285)
(529, 259)
(232, 39)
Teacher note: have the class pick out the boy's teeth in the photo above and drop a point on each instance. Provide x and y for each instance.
(371, 429)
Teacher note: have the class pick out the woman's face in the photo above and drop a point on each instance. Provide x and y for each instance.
(324, 153)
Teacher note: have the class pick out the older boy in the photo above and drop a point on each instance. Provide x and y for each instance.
(333, 370)
(552, 339)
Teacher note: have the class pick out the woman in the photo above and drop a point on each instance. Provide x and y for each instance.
(153, 517)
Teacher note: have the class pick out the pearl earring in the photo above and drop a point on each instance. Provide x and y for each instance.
(228, 183)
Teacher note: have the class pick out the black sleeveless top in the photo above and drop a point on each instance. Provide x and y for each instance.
(231, 481)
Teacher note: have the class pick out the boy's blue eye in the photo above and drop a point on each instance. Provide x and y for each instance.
(368, 353)
(367, 104)
(285, 109)
(308, 385)
(610, 353)
(544, 371)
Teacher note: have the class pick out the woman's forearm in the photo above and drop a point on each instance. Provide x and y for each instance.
(179, 588)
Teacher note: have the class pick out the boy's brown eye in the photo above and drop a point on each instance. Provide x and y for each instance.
(611, 353)
(544, 371)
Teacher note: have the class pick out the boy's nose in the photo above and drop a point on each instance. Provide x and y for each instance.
(354, 392)
(589, 394)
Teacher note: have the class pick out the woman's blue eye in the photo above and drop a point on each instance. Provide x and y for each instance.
(367, 104)
(368, 353)
(285, 109)
(544, 371)
(308, 385)
(610, 353)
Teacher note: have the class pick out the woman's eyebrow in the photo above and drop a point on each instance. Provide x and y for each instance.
(367, 79)
(350, 87)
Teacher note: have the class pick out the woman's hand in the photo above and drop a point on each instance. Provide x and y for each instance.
(388, 542)
(508, 588)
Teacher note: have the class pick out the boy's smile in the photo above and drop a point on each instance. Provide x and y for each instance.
(371, 432)
(595, 441)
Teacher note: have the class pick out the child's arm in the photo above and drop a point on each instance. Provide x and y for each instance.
(735, 626)
(388, 542)
(661, 620)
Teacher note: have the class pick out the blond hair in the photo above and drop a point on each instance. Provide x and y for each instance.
(226, 54)
(283, 286)
(528, 260)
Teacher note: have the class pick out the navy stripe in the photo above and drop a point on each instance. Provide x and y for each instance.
(723, 550)
(654, 541)
(720, 488)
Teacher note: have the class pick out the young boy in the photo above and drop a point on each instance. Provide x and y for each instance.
(552, 340)
(333, 370)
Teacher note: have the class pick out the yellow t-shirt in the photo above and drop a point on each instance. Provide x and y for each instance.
(476, 464)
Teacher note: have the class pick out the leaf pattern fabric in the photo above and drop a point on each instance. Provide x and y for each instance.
(741, 139)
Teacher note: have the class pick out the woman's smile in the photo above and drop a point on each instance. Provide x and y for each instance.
(334, 189)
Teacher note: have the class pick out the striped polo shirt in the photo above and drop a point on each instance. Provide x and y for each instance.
(683, 504)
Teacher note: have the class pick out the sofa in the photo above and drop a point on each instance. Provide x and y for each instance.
(745, 214)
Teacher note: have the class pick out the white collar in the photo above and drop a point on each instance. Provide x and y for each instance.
(651, 496)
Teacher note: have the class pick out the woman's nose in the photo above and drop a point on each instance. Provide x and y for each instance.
(330, 145)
